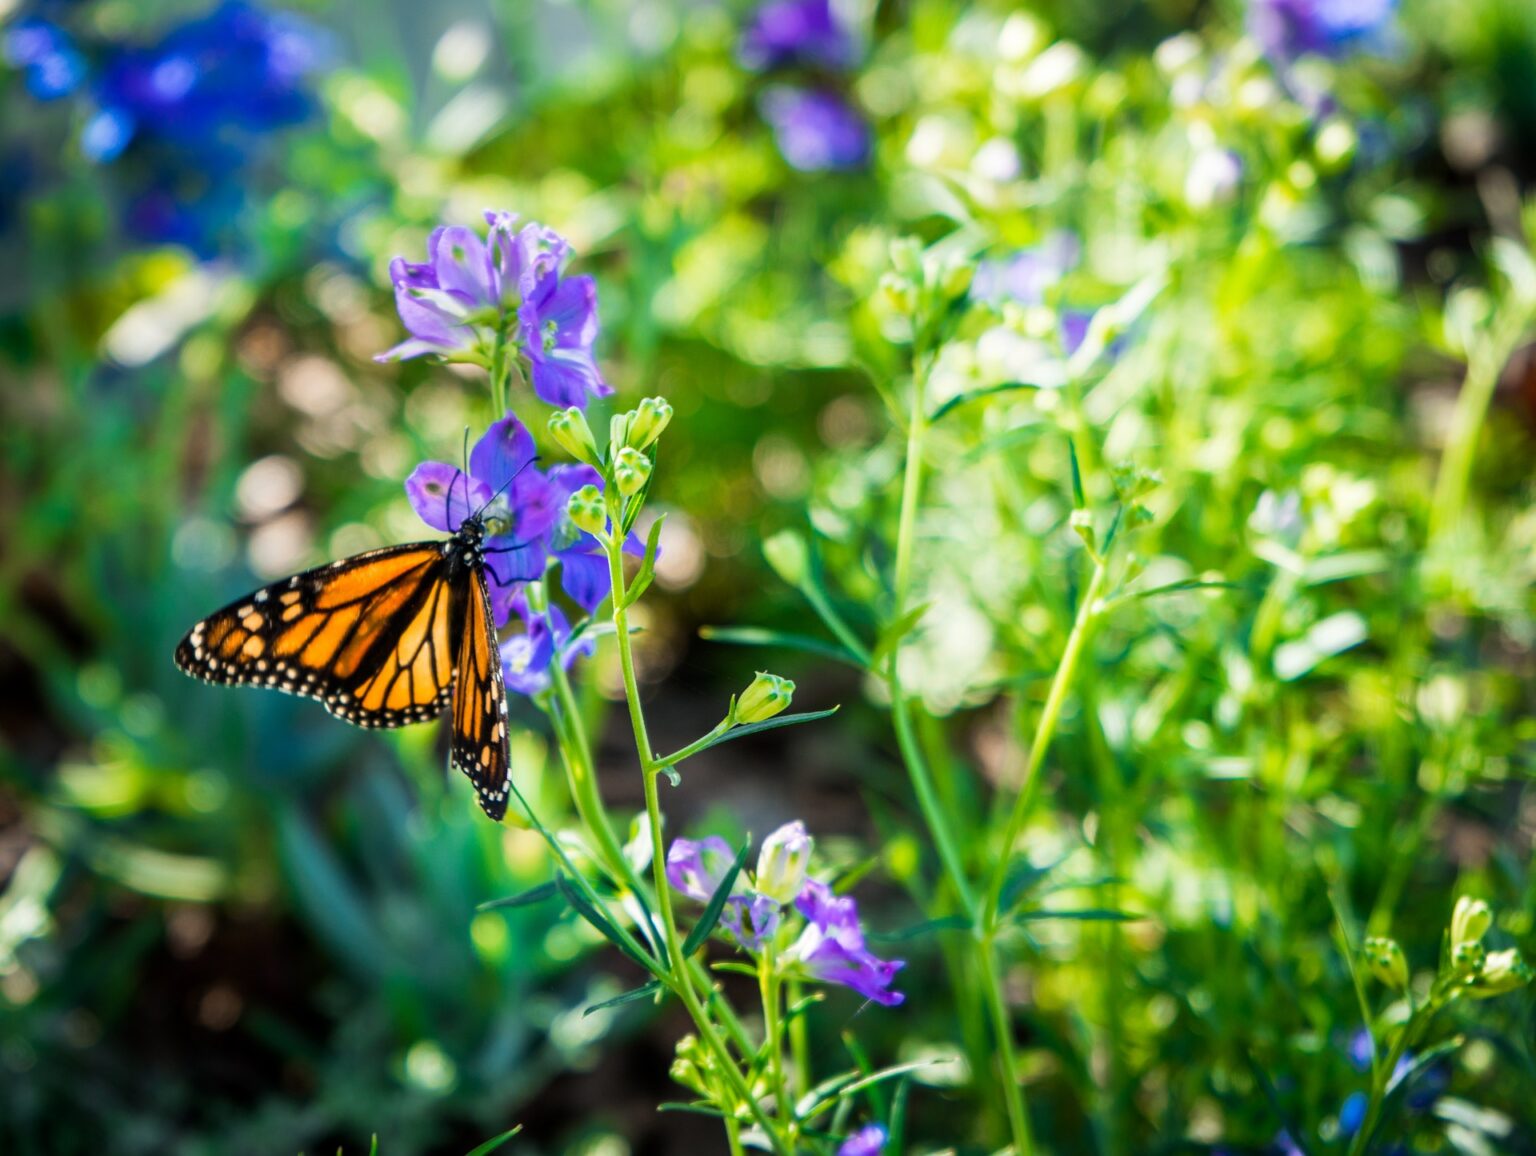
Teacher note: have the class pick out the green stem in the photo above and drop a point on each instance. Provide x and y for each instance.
(799, 1040)
(580, 770)
(682, 975)
(694, 747)
(1382, 1074)
(1002, 1028)
(768, 986)
(500, 371)
(1045, 730)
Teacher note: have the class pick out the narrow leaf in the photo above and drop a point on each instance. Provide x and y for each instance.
(644, 991)
(755, 636)
(603, 924)
(496, 1142)
(891, 637)
(960, 399)
(927, 927)
(1078, 501)
(715, 907)
(1021, 876)
(525, 899)
(1085, 915)
(647, 572)
(783, 720)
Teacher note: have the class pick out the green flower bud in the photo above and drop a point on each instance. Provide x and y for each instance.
(1081, 522)
(1469, 921)
(1467, 959)
(767, 696)
(649, 420)
(631, 469)
(1387, 963)
(1503, 971)
(690, 1065)
(898, 294)
(618, 430)
(587, 511)
(570, 429)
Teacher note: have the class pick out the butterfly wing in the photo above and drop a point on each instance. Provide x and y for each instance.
(370, 637)
(478, 746)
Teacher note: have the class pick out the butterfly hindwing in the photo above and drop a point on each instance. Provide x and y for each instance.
(478, 744)
(368, 636)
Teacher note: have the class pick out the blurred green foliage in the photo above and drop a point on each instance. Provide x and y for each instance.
(230, 924)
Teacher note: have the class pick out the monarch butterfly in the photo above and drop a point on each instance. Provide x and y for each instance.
(382, 639)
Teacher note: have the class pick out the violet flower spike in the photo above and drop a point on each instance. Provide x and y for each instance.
(831, 948)
(516, 502)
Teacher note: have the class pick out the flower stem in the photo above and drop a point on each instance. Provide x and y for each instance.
(768, 985)
(582, 774)
(682, 975)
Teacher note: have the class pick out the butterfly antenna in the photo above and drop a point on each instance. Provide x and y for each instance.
(505, 485)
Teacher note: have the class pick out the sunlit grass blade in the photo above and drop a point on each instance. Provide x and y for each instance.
(756, 636)
(644, 991)
(495, 1142)
(539, 894)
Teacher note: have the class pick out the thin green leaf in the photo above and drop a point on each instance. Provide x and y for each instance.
(697, 1109)
(604, 925)
(783, 720)
(1084, 915)
(734, 967)
(971, 395)
(926, 927)
(1079, 502)
(527, 898)
(891, 637)
(1023, 875)
(755, 636)
(644, 991)
(647, 572)
(715, 907)
(1175, 588)
(496, 1142)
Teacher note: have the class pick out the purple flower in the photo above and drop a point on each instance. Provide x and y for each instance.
(786, 32)
(559, 325)
(752, 919)
(697, 867)
(867, 1141)
(1286, 29)
(1352, 1113)
(831, 947)
(1026, 276)
(50, 64)
(525, 657)
(236, 69)
(516, 502)
(816, 131)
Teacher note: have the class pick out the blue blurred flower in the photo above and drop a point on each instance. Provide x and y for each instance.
(816, 130)
(48, 59)
(867, 1141)
(525, 657)
(516, 502)
(1286, 29)
(1352, 1113)
(787, 32)
(1026, 276)
(236, 70)
(831, 948)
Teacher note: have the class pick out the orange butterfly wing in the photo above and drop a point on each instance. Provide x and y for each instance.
(479, 745)
(369, 637)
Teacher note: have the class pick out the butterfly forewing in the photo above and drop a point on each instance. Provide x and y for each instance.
(369, 637)
(479, 746)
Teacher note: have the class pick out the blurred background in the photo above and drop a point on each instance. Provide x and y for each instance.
(229, 924)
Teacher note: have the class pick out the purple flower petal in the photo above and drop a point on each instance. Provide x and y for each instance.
(831, 947)
(696, 867)
(816, 131)
(584, 577)
(502, 453)
(443, 495)
(787, 32)
(752, 920)
(463, 264)
(867, 1141)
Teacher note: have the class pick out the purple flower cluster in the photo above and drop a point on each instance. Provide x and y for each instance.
(1027, 276)
(524, 509)
(471, 296)
(1286, 29)
(830, 946)
(815, 127)
(181, 117)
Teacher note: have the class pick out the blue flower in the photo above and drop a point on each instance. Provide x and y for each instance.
(787, 32)
(236, 70)
(515, 500)
(1352, 1113)
(816, 130)
(1286, 29)
(867, 1141)
(1029, 274)
(525, 657)
(50, 63)
(831, 948)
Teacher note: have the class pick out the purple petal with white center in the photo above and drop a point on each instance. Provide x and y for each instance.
(696, 867)
(443, 495)
(502, 453)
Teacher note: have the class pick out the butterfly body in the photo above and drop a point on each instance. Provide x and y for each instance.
(382, 639)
